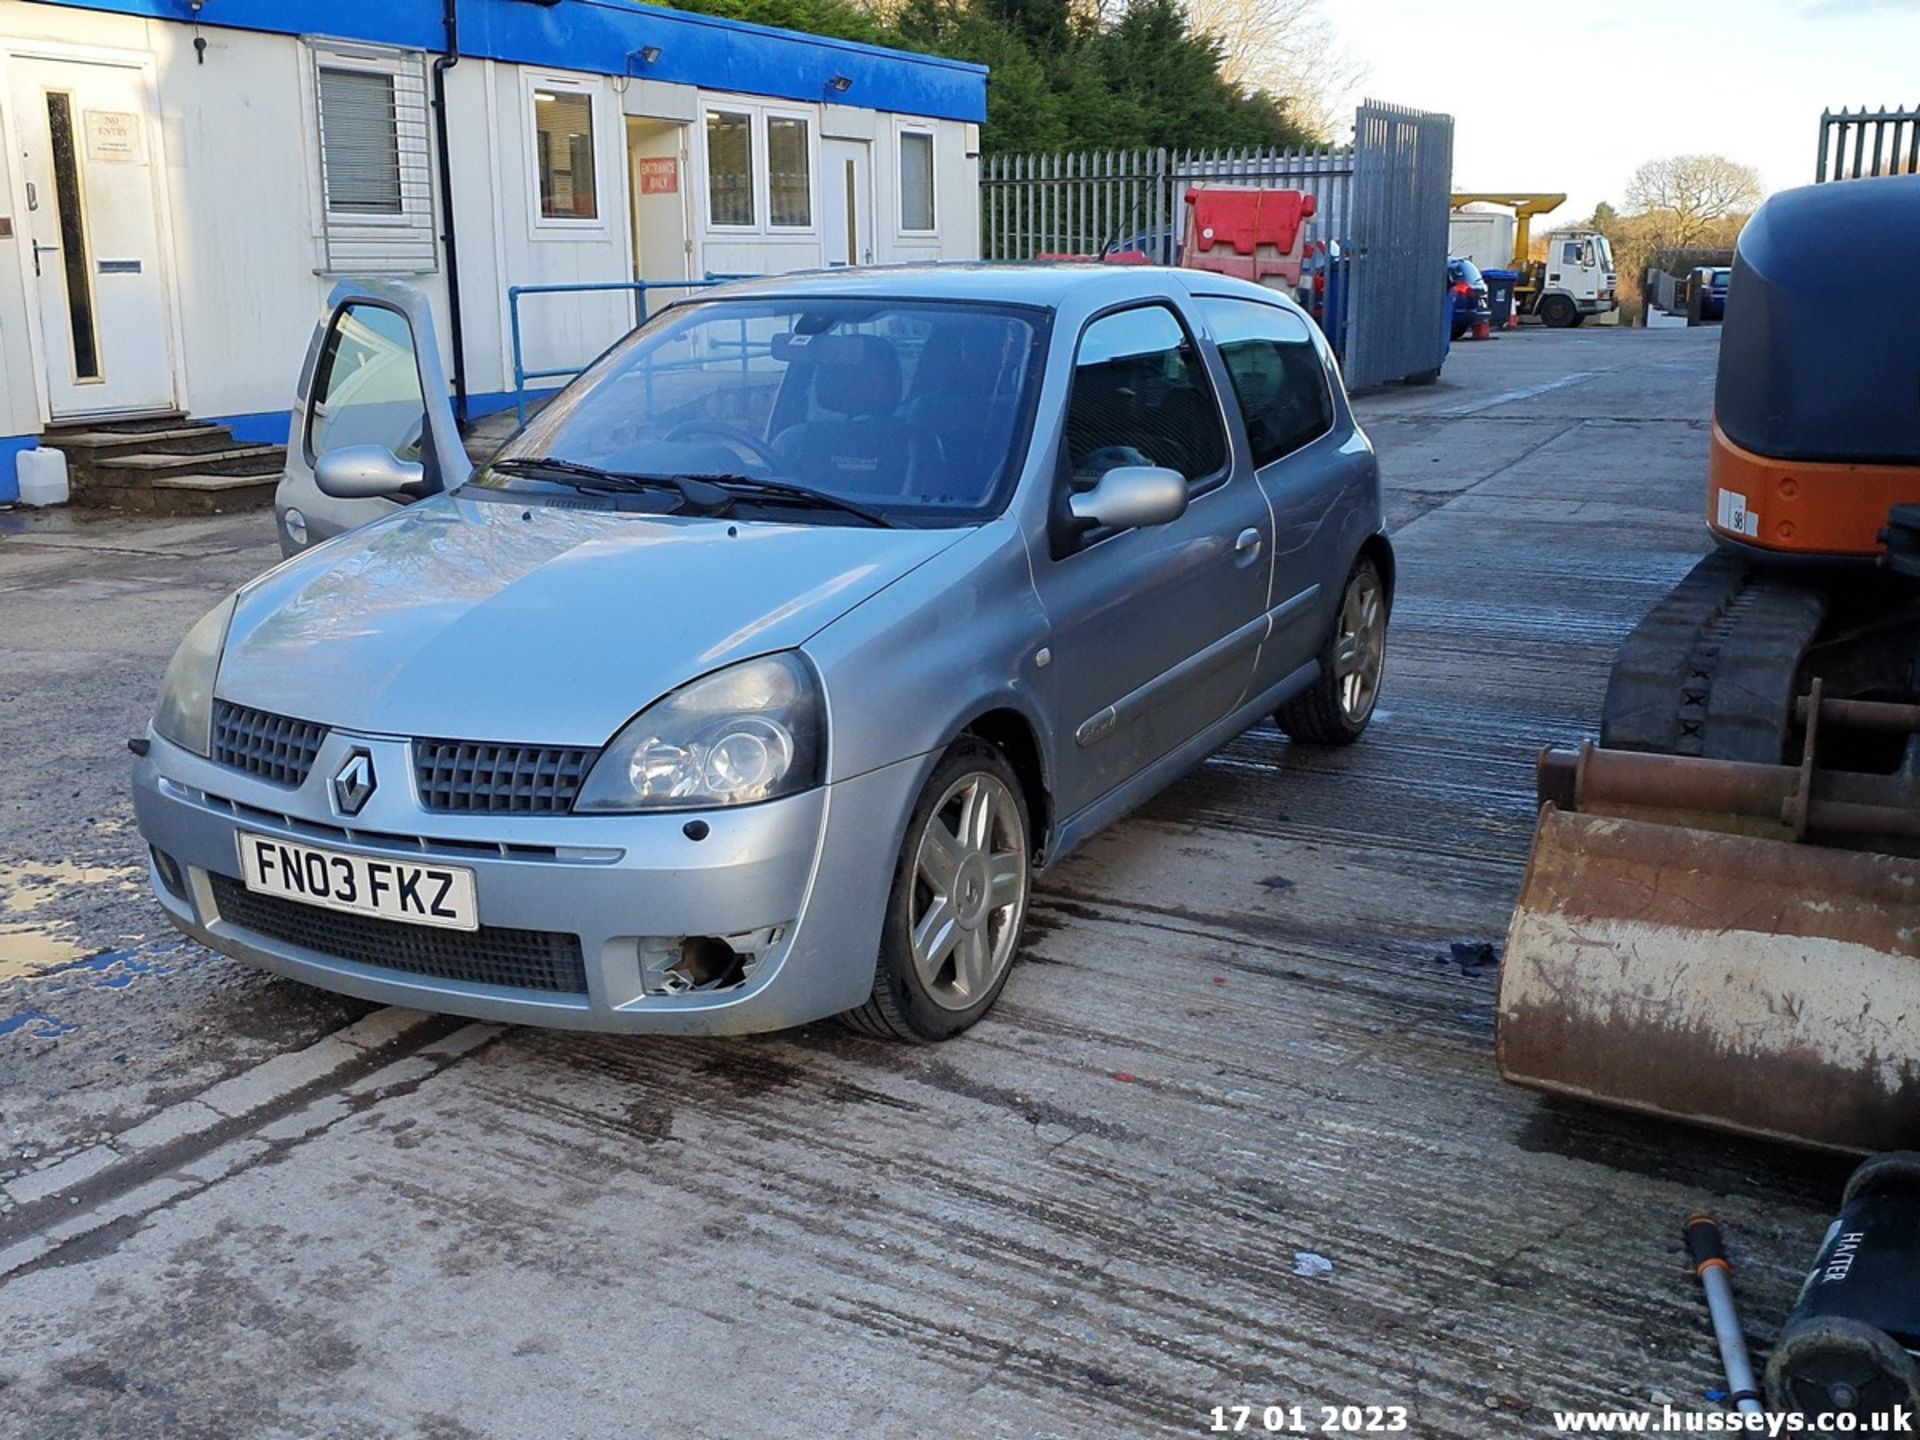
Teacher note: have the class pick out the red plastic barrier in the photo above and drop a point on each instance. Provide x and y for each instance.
(1252, 234)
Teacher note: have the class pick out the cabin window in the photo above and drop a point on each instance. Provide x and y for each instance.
(789, 177)
(916, 180)
(730, 168)
(563, 154)
(373, 144)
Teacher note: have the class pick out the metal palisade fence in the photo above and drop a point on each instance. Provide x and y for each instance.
(1082, 203)
(1376, 244)
(1857, 144)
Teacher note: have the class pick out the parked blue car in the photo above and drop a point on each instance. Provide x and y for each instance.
(1469, 290)
(1713, 302)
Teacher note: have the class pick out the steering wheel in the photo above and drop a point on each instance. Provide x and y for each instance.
(732, 434)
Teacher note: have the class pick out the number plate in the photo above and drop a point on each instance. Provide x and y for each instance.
(360, 884)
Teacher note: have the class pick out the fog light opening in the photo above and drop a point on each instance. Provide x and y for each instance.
(168, 869)
(673, 965)
(706, 963)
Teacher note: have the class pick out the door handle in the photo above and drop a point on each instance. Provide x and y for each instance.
(38, 251)
(1247, 547)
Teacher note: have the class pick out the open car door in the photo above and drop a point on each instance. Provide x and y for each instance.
(373, 428)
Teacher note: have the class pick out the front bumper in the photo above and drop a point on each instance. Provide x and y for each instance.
(798, 885)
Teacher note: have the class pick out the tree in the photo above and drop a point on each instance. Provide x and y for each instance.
(1687, 197)
(1286, 48)
(1068, 74)
(1148, 79)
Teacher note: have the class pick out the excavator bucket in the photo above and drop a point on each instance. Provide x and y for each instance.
(1733, 980)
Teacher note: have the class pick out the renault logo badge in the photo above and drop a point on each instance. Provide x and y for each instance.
(353, 783)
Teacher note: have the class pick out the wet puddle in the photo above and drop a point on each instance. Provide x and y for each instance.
(105, 970)
(43, 950)
(31, 944)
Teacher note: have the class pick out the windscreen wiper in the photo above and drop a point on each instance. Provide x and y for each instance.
(694, 492)
(786, 492)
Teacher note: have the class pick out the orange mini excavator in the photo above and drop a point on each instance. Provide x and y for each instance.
(1720, 920)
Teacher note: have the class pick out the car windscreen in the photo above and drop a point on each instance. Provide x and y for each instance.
(917, 409)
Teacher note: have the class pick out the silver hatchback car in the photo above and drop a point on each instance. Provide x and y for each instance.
(756, 678)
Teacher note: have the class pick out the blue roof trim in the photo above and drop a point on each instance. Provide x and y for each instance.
(599, 36)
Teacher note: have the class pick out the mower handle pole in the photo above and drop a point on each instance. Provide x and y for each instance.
(1709, 1258)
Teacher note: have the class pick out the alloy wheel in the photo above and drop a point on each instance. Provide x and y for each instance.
(1361, 650)
(969, 891)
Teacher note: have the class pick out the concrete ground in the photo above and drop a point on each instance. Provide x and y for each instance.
(1232, 1137)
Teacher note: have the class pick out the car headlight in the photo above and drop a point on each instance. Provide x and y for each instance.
(185, 712)
(748, 733)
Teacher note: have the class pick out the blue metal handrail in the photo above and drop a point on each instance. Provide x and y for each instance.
(637, 288)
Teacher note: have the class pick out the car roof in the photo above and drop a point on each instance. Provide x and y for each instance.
(1044, 283)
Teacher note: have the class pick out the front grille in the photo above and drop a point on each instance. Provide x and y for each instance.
(273, 747)
(465, 775)
(523, 959)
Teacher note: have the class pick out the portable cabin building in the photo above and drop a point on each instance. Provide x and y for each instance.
(183, 181)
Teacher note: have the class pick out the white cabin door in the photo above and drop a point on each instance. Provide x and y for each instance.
(848, 194)
(94, 229)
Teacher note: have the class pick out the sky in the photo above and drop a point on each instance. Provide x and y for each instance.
(1575, 96)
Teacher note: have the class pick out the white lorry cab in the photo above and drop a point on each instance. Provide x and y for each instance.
(1578, 278)
(1574, 280)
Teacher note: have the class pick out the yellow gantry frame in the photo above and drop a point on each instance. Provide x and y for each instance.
(1525, 205)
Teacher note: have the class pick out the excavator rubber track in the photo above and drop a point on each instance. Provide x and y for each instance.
(1713, 669)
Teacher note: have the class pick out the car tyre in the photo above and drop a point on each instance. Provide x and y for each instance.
(1337, 707)
(1558, 312)
(958, 904)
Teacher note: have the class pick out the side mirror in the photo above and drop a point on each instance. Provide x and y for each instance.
(356, 472)
(1129, 496)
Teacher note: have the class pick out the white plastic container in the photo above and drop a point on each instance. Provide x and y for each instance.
(43, 476)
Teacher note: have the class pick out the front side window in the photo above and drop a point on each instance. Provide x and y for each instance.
(1277, 375)
(918, 409)
(563, 135)
(916, 181)
(729, 168)
(789, 173)
(366, 388)
(1140, 398)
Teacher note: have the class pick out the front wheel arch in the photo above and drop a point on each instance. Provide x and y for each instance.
(1011, 733)
(1377, 548)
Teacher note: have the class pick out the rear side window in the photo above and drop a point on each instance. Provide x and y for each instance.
(1140, 397)
(1276, 372)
